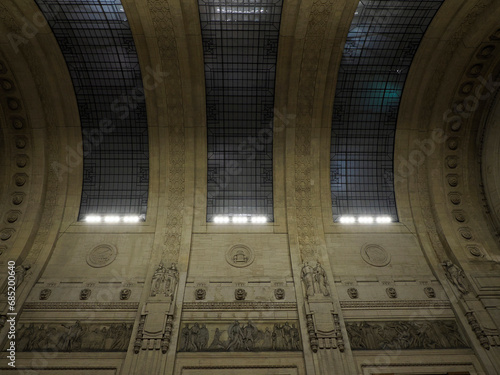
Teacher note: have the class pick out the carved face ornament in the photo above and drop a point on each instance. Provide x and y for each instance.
(125, 294)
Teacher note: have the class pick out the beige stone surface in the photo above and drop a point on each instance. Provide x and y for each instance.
(446, 206)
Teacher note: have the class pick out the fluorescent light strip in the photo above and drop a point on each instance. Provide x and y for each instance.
(365, 220)
(112, 219)
(240, 219)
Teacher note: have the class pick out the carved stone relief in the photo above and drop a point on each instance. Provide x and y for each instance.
(400, 335)
(164, 280)
(429, 291)
(21, 272)
(240, 256)
(125, 294)
(237, 336)
(279, 293)
(200, 294)
(391, 292)
(45, 294)
(353, 293)
(101, 256)
(85, 294)
(77, 337)
(456, 276)
(375, 255)
(315, 279)
(475, 250)
(240, 294)
(476, 327)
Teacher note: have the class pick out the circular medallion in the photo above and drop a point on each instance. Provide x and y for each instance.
(375, 255)
(101, 256)
(239, 256)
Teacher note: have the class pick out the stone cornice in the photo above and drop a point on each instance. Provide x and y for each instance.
(239, 306)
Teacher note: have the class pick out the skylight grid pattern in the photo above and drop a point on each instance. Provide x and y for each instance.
(240, 46)
(97, 44)
(381, 43)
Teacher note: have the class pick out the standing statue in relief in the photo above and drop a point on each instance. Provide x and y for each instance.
(320, 279)
(308, 279)
(172, 278)
(456, 276)
(159, 280)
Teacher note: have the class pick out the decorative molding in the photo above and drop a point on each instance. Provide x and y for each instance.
(466, 91)
(236, 367)
(476, 327)
(444, 364)
(16, 139)
(161, 17)
(425, 304)
(81, 306)
(193, 306)
(307, 230)
(311, 330)
(153, 340)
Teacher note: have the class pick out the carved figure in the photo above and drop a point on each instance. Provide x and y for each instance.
(391, 292)
(216, 342)
(185, 338)
(295, 338)
(200, 294)
(85, 294)
(279, 342)
(456, 276)
(250, 333)
(429, 291)
(71, 339)
(268, 339)
(159, 280)
(172, 277)
(125, 294)
(353, 293)
(235, 334)
(45, 294)
(308, 279)
(320, 279)
(279, 293)
(21, 272)
(240, 294)
(203, 336)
